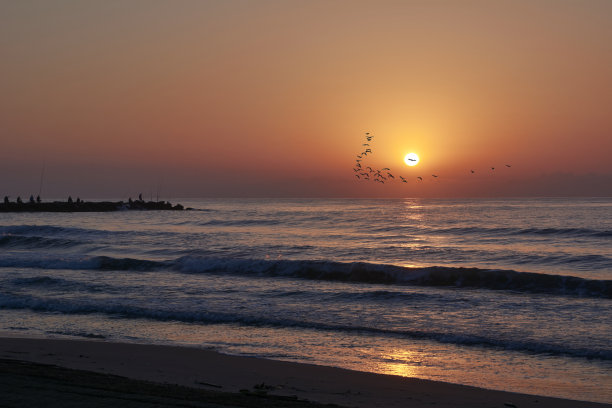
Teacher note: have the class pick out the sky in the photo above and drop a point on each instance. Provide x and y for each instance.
(264, 98)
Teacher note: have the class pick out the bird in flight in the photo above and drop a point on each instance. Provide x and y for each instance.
(381, 175)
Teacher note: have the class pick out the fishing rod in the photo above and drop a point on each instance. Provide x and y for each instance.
(42, 174)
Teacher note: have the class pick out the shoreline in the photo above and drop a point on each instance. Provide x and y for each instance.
(209, 370)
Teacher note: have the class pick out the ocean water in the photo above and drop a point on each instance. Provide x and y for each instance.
(509, 294)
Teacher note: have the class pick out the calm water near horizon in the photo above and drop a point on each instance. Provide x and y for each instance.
(512, 294)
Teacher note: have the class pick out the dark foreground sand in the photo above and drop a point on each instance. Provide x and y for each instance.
(71, 373)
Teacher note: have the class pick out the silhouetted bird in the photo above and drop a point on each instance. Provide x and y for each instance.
(492, 168)
(472, 171)
(507, 165)
(420, 178)
(434, 175)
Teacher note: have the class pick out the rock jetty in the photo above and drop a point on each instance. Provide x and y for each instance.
(87, 206)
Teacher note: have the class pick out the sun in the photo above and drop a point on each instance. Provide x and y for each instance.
(411, 159)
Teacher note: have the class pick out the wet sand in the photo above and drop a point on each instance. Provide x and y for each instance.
(133, 375)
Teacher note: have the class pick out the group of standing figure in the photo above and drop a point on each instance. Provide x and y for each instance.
(20, 201)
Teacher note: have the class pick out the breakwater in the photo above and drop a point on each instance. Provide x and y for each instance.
(88, 206)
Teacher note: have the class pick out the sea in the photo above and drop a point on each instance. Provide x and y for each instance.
(512, 294)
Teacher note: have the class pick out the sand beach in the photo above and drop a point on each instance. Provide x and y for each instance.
(125, 374)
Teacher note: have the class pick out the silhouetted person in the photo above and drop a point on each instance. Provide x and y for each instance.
(69, 200)
(140, 197)
(31, 199)
(19, 200)
(38, 199)
(79, 200)
(6, 200)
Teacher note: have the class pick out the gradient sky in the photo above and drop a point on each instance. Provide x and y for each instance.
(272, 98)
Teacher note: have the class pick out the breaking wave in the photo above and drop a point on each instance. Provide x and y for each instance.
(357, 272)
(205, 317)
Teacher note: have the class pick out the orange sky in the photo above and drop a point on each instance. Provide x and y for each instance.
(272, 98)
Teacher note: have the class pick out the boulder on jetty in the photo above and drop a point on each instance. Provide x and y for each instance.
(88, 206)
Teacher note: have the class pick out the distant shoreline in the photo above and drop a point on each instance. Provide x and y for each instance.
(89, 206)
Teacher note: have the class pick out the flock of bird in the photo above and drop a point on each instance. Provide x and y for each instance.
(368, 173)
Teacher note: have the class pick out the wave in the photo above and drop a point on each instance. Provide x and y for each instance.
(60, 283)
(205, 317)
(35, 242)
(48, 231)
(240, 222)
(511, 231)
(102, 263)
(39, 229)
(390, 274)
(77, 334)
(357, 272)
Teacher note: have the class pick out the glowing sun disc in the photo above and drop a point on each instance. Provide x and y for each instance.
(411, 159)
